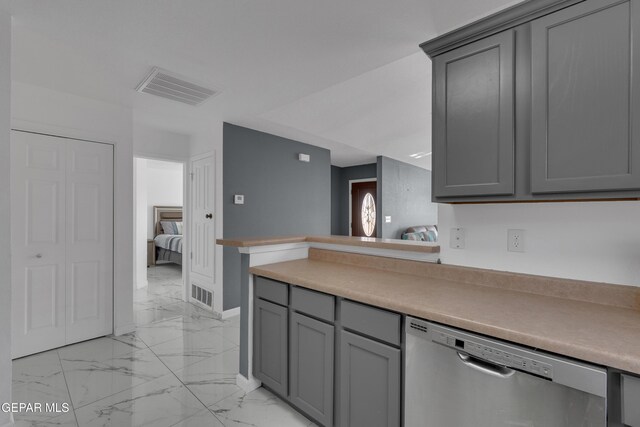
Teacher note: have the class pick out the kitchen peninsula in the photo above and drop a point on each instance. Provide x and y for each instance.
(597, 323)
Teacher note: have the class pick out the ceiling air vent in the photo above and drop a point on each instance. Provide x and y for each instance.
(168, 85)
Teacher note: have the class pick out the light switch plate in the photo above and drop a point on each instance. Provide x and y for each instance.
(457, 238)
(238, 199)
(387, 219)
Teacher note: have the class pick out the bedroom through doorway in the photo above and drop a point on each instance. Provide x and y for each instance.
(159, 203)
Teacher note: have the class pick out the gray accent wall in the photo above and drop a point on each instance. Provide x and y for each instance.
(404, 193)
(283, 196)
(340, 178)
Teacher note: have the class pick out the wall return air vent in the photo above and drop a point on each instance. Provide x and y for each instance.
(168, 85)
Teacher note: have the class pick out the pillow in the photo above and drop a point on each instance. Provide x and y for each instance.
(171, 227)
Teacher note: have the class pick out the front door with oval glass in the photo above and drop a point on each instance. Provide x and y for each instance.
(363, 209)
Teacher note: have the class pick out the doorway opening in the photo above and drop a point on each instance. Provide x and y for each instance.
(159, 234)
(363, 207)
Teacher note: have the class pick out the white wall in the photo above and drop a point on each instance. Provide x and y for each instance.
(160, 144)
(596, 241)
(140, 197)
(45, 110)
(5, 209)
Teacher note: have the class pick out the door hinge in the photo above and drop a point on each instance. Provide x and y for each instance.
(192, 174)
(190, 255)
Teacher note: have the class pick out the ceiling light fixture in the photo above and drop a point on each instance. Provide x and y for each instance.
(420, 154)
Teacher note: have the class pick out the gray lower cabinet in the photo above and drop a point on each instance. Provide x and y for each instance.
(473, 119)
(370, 383)
(270, 361)
(586, 98)
(311, 367)
(631, 401)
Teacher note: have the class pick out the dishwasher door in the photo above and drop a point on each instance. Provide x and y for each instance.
(447, 387)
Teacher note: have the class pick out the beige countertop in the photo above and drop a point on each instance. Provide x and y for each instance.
(548, 314)
(371, 242)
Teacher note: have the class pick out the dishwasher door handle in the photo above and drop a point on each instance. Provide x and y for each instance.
(486, 367)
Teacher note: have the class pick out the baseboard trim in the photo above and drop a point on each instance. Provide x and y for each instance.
(230, 313)
(122, 330)
(247, 385)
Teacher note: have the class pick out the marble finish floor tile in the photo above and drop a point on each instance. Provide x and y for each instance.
(102, 348)
(90, 380)
(167, 330)
(65, 420)
(258, 408)
(40, 379)
(191, 348)
(201, 419)
(177, 369)
(162, 402)
(213, 379)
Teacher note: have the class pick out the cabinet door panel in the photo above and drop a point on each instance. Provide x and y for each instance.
(312, 367)
(270, 345)
(473, 145)
(370, 383)
(584, 99)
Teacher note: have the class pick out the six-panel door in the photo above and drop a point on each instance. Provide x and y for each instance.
(586, 99)
(473, 119)
(62, 241)
(370, 383)
(311, 367)
(270, 363)
(38, 239)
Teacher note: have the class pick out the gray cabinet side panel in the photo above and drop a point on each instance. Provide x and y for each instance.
(270, 363)
(583, 98)
(370, 388)
(631, 400)
(312, 353)
(473, 122)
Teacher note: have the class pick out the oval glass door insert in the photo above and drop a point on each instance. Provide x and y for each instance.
(368, 214)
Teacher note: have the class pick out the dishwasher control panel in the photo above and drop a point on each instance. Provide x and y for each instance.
(494, 354)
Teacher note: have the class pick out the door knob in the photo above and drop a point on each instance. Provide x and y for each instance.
(208, 216)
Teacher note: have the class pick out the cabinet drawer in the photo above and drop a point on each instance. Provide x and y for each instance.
(271, 290)
(313, 303)
(630, 400)
(374, 322)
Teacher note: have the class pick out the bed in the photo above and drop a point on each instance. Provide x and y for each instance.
(167, 233)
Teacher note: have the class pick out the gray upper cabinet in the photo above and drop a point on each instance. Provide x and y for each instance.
(473, 119)
(270, 363)
(540, 101)
(370, 383)
(312, 367)
(585, 129)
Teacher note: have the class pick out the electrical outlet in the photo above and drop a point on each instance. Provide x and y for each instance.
(457, 238)
(515, 240)
(387, 219)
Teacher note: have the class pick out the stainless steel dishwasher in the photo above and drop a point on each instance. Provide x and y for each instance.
(457, 379)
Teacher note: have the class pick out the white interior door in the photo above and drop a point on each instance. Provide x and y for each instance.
(89, 213)
(62, 241)
(202, 221)
(38, 233)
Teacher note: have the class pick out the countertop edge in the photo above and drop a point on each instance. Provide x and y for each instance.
(393, 244)
(588, 354)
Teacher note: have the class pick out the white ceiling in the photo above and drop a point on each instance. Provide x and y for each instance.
(344, 75)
